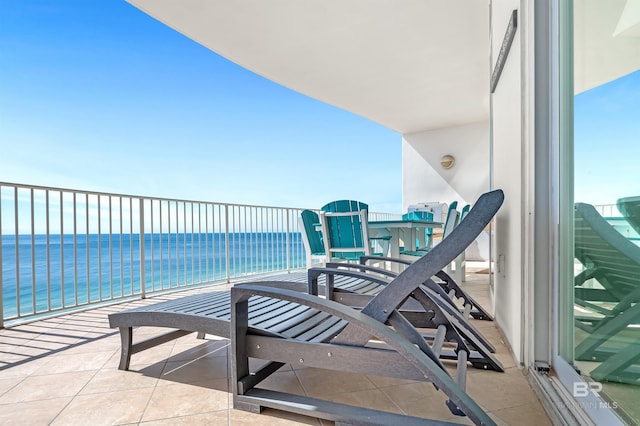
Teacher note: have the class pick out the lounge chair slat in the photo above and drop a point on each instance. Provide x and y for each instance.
(330, 332)
(267, 317)
(287, 317)
(318, 329)
(306, 325)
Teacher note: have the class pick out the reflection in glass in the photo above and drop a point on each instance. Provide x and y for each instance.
(607, 200)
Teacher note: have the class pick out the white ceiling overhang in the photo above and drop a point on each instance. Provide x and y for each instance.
(410, 65)
(606, 41)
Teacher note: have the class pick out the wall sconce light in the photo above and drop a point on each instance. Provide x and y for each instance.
(447, 161)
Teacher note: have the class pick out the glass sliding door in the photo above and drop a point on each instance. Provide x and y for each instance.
(598, 322)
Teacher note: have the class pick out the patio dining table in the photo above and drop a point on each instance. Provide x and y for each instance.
(407, 231)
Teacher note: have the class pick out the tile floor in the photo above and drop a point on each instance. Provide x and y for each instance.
(63, 371)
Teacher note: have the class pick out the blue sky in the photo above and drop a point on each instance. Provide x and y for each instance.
(607, 141)
(96, 95)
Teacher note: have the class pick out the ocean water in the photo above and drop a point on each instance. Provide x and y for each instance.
(56, 273)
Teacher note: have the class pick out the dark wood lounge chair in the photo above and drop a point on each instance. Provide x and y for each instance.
(277, 322)
(349, 339)
(427, 307)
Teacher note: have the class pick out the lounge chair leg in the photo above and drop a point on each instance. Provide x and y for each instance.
(246, 406)
(126, 339)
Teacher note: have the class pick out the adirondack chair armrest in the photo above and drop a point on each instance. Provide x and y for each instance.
(365, 259)
(361, 267)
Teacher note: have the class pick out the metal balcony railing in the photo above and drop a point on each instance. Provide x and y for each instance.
(608, 210)
(64, 248)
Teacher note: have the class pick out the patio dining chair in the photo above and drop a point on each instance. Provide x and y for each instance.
(457, 268)
(451, 221)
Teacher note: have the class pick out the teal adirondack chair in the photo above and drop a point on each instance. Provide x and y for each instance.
(464, 211)
(345, 231)
(309, 222)
(453, 218)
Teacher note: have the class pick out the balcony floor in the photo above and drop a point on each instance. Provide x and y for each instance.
(63, 371)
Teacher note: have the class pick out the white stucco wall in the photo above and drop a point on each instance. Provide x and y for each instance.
(507, 175)
(423, 179)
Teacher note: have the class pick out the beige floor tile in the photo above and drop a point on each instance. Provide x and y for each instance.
(15, 336)
(256, 364)
(9, 383)
(63, 363)
(146, 332)
(32, 413)
(283, 381)
(177, 400)
(269, 417)
(198, 348)
(20, 366)
(382, 382)
(66, 337)
(286, 367)
(523, 415)
(205, 419)
(419, 399)
(114, 361)
(30, 349)
(194, 388)
(505, 358)
(319, 383)
(462, 420)
(159, 354)
(34, 388)
(509, 389)
(198, 370)
(102, 344)
(374, 399)
(113, 380)
(18, 332)
(105, 408)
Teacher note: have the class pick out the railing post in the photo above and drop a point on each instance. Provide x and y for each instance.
(226, 242)
(143, 280)
(288, 241)
(1, 268)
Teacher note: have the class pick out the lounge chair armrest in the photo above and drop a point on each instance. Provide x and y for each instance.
(314, 273)
(362, 268)
(289, 285)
